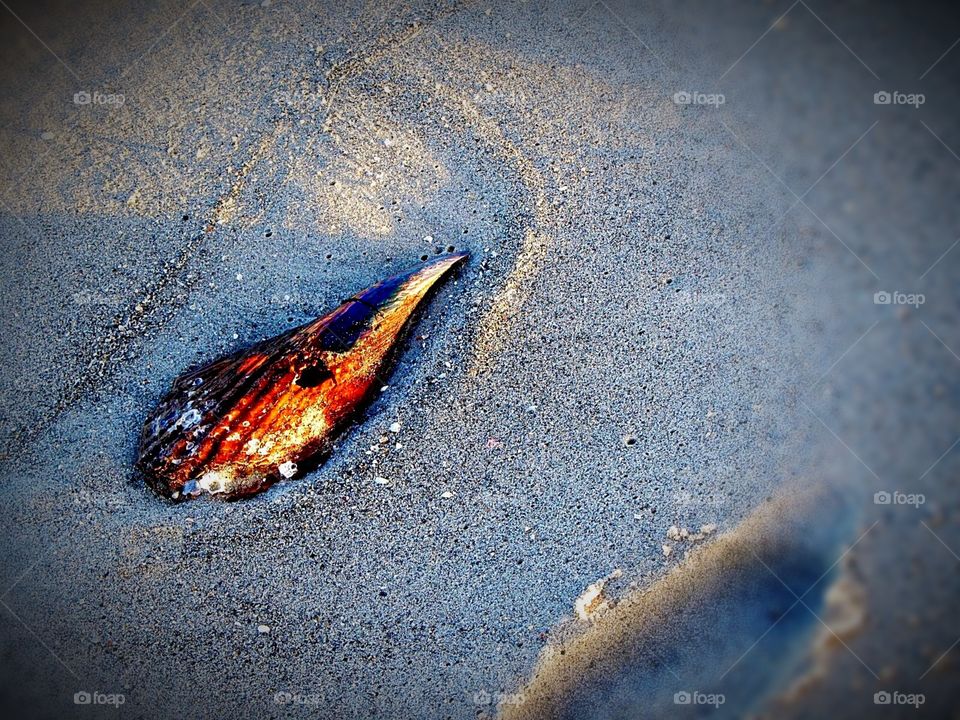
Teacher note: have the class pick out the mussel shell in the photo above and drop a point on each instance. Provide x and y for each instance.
(237, 425)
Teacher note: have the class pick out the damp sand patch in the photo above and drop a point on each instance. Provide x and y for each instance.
(723, 624)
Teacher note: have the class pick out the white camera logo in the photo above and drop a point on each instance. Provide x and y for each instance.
(98, 698)
(882, 297)
(484, 697)
(85, 97)
(883, 697)
(696, 697)
(882, 97)
(896, 497)
(685, 97)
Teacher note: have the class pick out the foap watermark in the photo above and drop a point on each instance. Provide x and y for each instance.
(484, 697)
(308, 98)
(885, 697)
(695, 697)
(94, 297)
(882, 497)
(292, 698)
(84, 498)
(98, 698)
(882, 97)
(882, 297)
(695, 297)
(685, 97)
(86, 97)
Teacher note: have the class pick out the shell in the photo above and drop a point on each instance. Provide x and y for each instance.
(237, 425)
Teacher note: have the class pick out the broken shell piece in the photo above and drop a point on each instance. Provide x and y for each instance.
(593, 600)
(234, 427)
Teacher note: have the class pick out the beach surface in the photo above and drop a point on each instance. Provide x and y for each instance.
(665, 342)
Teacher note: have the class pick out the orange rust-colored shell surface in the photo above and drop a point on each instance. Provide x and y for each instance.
(239, 424)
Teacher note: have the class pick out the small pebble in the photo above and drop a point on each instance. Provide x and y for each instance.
(447, 495)
(263, 629)
(395, 428)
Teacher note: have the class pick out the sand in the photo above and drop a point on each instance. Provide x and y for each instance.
(652, 332)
